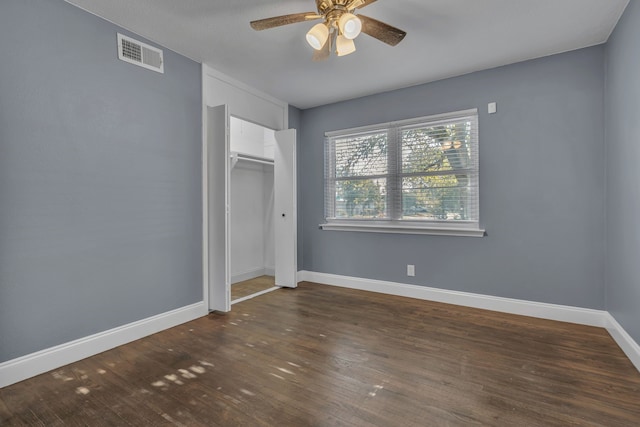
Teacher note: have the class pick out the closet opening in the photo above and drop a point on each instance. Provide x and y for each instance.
(251, 209)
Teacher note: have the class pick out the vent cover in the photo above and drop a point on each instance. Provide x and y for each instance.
(138, 53)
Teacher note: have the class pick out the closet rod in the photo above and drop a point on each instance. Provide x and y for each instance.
(249, 159)
(236, 156)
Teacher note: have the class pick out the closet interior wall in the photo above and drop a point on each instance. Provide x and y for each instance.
(251, 202)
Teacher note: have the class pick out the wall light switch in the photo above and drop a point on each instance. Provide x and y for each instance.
(492, 108)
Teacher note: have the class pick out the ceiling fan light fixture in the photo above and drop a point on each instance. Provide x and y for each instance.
(344, 46)
(339, 28)
(317, 36)
(350, 25)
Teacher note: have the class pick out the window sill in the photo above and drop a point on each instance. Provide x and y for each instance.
(404, 229)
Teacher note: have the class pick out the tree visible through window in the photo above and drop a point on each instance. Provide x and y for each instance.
(422, 172)
(361, 175)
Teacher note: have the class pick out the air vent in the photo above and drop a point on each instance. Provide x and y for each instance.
(138, 53)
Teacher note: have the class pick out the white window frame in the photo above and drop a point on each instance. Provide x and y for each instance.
(469, 228)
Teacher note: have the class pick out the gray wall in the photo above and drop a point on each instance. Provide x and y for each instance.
(623, 171)
(100, 180)
(541, 185)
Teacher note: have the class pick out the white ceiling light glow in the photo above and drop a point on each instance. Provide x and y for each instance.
(317, 36)
(344, 46)
(340, 26)
(350, 25)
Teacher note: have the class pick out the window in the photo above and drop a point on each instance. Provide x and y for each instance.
(413, 176)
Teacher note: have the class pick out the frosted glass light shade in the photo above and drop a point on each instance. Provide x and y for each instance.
(317, 36)
(350, 25)
(344, 46)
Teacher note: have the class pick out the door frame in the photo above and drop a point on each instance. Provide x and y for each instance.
(218, 286)
(246, 102)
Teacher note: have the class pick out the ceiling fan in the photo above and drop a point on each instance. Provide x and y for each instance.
(339, 28)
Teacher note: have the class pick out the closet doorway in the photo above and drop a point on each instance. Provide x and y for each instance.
(251, 214)
(252, 243)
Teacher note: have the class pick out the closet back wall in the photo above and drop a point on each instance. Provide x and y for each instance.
(251, 221)
(251, 214)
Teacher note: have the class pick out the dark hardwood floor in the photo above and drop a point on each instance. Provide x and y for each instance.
(251, 286)
(325, 356)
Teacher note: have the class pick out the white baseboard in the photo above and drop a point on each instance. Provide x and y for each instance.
(563, 313)
(37, 363)
(241, 277)
(624, 340)
(28, 366)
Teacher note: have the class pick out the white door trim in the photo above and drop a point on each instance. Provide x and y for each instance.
(211, 79)
(218, 237)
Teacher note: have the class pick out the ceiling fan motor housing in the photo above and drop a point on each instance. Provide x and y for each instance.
(332, 8)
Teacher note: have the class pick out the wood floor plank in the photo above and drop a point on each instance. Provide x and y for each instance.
(326, 356)
(251, 286)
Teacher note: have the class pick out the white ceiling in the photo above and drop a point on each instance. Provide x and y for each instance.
(445, 38)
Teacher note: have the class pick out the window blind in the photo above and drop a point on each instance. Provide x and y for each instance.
(422, 171)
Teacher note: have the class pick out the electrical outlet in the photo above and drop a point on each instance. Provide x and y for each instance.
(411, 270)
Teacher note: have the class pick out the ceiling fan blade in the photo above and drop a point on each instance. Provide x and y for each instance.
(358, 4)
(325, 52)
(277, 21)
(381, 31)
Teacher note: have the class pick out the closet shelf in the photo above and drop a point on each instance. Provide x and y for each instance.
(236, 157)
